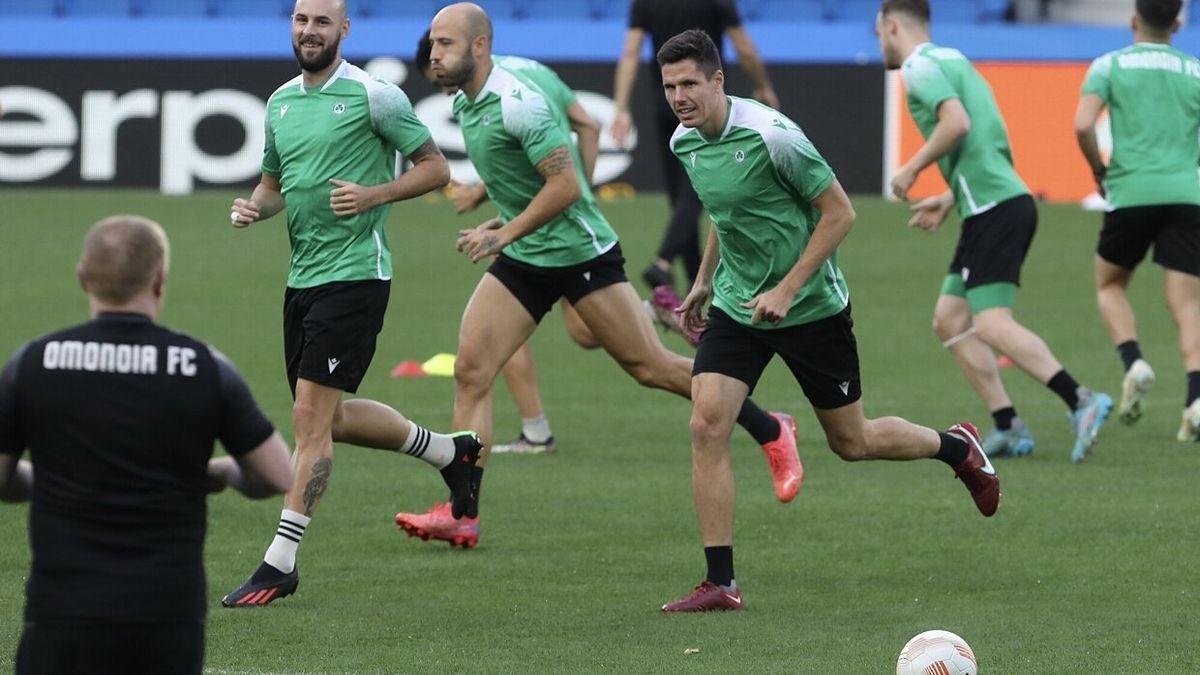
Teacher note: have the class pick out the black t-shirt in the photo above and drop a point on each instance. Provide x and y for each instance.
(664, 19)
(120, 416)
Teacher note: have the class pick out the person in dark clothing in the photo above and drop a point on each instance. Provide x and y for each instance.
(661, 20)
(119, 416)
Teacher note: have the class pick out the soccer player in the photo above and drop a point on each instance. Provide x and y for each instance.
(660, 20)
(770, 269)
(332, 135)
(957, 113)
(120, 415)
(553, 242)
(1152, 91)
(520, 372)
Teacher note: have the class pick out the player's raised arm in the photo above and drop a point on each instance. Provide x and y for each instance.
(626, 75)
(752, 63)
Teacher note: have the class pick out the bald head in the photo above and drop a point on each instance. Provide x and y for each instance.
(123, 257)
(467, 20)
(334, 9)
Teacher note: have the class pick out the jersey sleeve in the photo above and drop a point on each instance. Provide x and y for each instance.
(12, 436)
(727, 12)
(393, 117)
(1097, 79)
(270, 163)
(925, 81)
(797, 162)
(528, 118)
(243, 426)
(637, 15)
(562, 95)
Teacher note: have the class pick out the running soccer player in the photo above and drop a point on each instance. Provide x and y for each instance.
(332, 135)
(770, 269)
(1152, 92)
(957, 113)
(553, 242)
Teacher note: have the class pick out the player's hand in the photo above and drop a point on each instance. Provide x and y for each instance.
(348, 199)
(767, 97)
(772, 306)
(691, 310)
(481, 242)
(244, 212)
(622, 126)
(929, 213)
(902, 182)
(467, 197)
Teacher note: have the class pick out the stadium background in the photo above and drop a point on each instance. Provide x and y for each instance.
(1087, 569)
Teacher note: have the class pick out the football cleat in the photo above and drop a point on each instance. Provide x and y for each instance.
(1189, 428)
(1086, 421)
(787, 470)
(457, 473)
(661, 308)
(524, 446)
(707, 597)
(265, 586)
(655, 276)
(976, 471)
(1138, 380)
(439, 523)
(1013, 442)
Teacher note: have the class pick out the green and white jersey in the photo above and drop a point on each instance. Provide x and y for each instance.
(758, 181)
(557, 92)
(349, 129)
(510, 126)
(980, 170)
(1153, 96)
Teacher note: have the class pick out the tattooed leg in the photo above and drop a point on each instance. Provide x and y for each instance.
(312, 417)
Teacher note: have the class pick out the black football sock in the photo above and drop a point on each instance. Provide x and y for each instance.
(758, 423)
(476, 486)
(1004, 418)
(1193, 386)
(953, 449)
(1129, 351)
(720, 564)
(1066, 387)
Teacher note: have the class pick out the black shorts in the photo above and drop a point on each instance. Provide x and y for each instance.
(329, 331)
(1174, 229)
(94, 648)
(822, 355)
(538, 288)
(993, 244)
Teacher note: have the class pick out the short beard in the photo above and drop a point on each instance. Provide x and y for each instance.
(321, 61)
(459, 78)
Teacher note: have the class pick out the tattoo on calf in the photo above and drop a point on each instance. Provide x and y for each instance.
(317, 484)
(556, 162)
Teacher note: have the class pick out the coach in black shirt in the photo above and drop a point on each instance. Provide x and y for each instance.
(663, 20)
(120, 416)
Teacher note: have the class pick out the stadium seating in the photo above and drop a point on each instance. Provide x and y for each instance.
(854, 11)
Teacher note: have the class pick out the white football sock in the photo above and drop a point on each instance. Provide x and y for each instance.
(435, 448)
(281, 554)
(536, 429)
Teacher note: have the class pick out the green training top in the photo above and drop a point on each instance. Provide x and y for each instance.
(1153, 96)
(512, 124)
(758, 181)
(349, 129)
(980, 170)
(557, 92)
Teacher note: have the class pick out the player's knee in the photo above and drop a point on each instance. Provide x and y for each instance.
(308, 423)
(470, 372)
(708, 427)
(947, 325)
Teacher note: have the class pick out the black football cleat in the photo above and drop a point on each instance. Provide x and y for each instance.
(266, 585)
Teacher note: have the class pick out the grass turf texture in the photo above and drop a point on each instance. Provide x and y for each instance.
(1086, 569)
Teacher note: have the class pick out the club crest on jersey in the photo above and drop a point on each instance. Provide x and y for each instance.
(283, 110)
(487, 120)
(739, 156)
(339, 108)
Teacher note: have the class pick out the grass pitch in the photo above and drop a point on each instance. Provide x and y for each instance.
(1085, 569)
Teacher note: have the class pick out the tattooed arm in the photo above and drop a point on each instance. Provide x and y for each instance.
(430, 171)
(560, 191)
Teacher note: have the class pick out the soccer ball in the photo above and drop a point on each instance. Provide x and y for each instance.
(936, 652)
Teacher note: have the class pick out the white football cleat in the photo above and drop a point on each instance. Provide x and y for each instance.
(1189, 428)
(1138, 380)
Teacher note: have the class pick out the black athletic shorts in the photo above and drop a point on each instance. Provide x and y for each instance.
(94, 648)
(329, 331)
(538, 288)
(1174, 229)
(993, 244)
(822, 355)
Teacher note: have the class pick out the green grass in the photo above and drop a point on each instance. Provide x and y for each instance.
(1085, 569)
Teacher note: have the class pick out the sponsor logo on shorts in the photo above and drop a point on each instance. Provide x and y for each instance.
(333, 364)
(845, 387)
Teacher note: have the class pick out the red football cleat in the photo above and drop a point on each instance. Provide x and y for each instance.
(976, 471)
(784, 459)
(707, 597)
(438, 523)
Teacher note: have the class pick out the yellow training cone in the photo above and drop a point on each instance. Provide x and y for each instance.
(441, 365)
